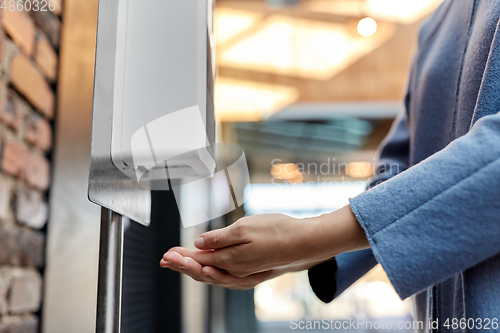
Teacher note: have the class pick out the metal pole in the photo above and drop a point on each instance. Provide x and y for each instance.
(109, 284)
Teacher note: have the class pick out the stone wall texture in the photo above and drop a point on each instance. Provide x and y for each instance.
(29, 43)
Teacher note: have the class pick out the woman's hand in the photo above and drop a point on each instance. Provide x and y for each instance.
(212, 275)
(180, 259)
(263, 243)
(254, 244)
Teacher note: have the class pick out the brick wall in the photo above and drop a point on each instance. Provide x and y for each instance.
(28, 70)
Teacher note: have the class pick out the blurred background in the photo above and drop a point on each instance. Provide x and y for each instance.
(309, 89)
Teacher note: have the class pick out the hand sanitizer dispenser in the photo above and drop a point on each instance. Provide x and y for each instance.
(153, 118)
(162, 98)
(153, 115)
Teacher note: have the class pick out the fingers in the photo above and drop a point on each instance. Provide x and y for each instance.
(218, 239)
(233, 259)
(165, 263)
(227, 280)
(219, 275)
(178, 261)
(216, 258)
(183, 251)
(186, 266)
(209, 274)
(233, 282)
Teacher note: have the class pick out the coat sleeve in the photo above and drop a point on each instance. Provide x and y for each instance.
(441, 216)
(331, 278)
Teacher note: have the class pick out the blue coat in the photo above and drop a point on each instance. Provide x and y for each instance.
(432, 215)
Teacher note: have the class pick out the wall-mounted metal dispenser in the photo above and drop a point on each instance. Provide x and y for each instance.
(153, 118)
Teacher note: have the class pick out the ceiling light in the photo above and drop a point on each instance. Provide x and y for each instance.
(302, 48)
(238, 100)
(367, 27)
(398, 11)
(402, 11)
(230, 22)
(352, 8)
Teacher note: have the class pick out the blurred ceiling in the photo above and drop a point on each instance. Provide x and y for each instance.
(398, 11)
(274, 53)
(335, 142)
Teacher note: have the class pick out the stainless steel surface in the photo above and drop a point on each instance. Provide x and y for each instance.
(70, 277)
(168, 67)
(161, 67)
(109, 284)
(108, 187)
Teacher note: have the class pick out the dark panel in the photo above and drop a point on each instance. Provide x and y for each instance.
(152, 295)
(165, 226)
(138, 278)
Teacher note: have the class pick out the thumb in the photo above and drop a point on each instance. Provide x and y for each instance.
(217, 239)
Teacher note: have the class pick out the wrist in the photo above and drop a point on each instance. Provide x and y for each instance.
(304, 266)
(335, 233)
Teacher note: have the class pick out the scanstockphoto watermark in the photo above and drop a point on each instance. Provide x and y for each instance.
(344, 172)
(360, 324)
